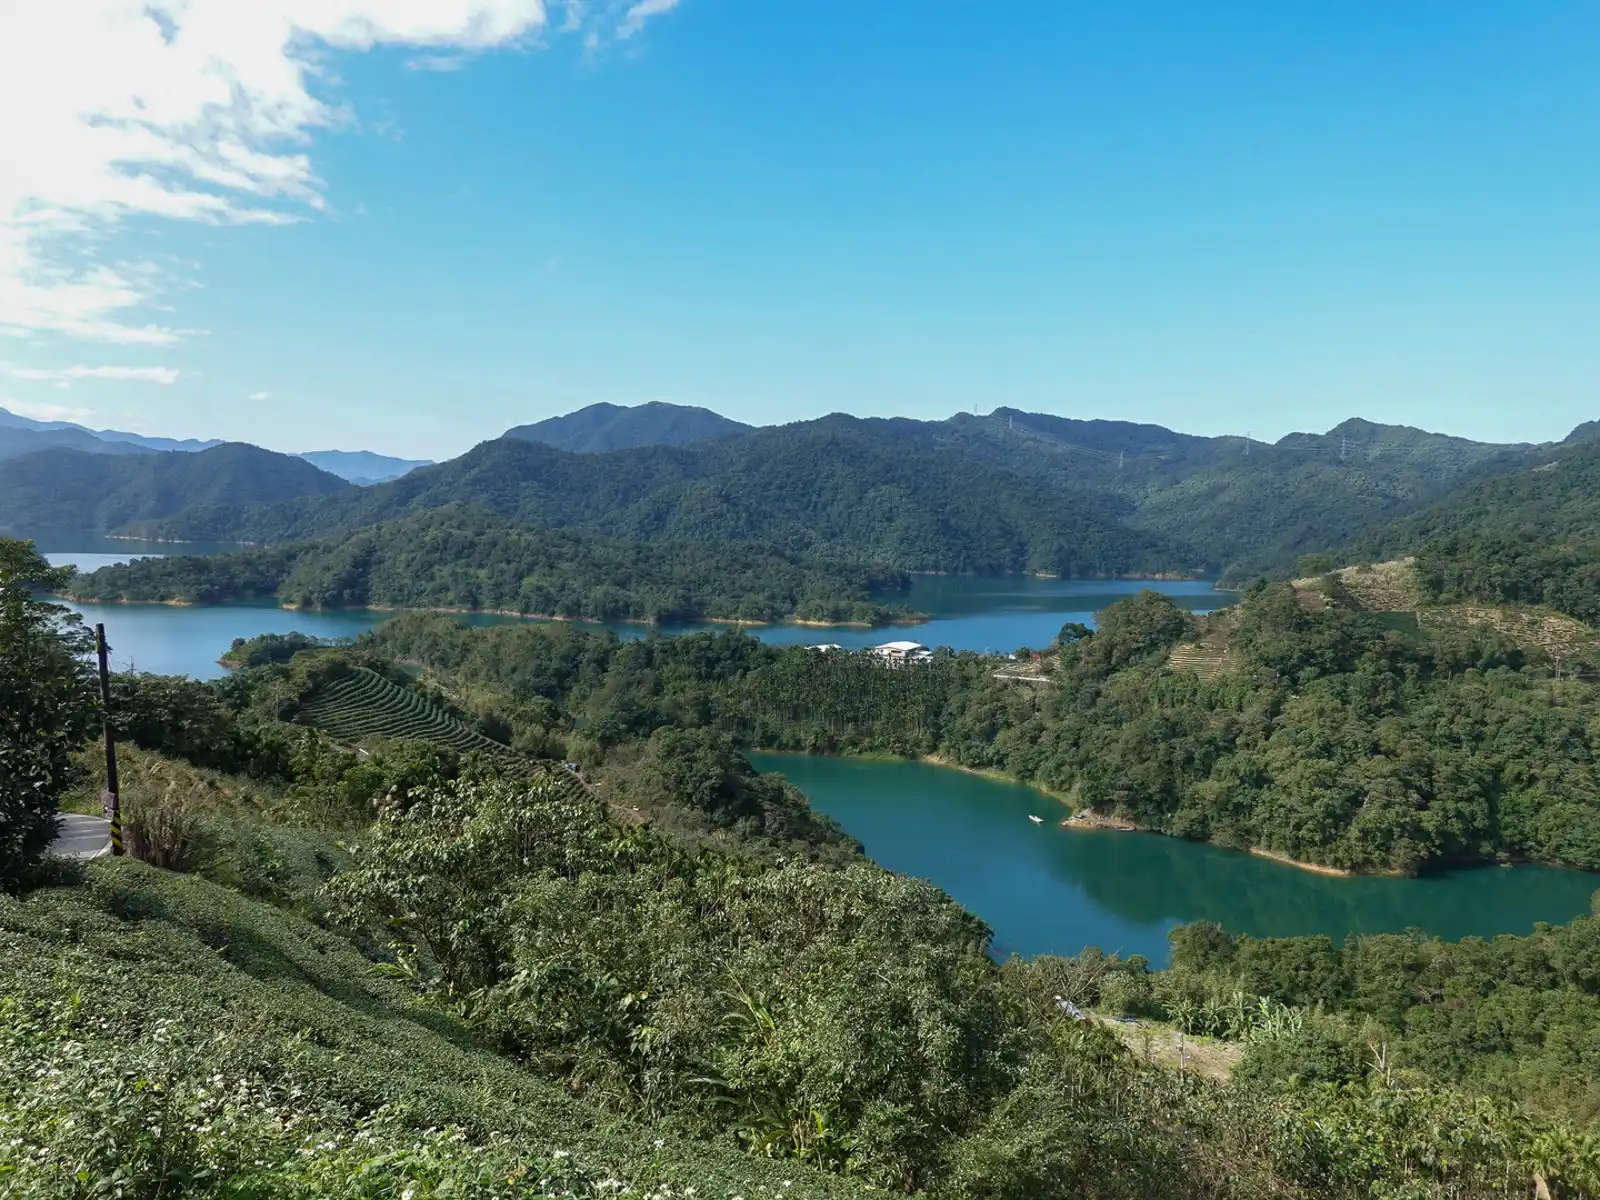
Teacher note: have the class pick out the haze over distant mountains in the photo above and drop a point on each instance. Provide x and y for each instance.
(71, 489)
(23, 435)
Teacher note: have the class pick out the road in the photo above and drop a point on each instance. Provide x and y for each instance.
(82, 837)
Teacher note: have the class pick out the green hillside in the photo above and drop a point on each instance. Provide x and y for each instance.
(1246, 506)
(455, 558)
(1300, 721)
(409, 972)
(839, 488)
(71, 489)
(363, 704)
(1008, 492)
(1555, 499)
(166, 1032)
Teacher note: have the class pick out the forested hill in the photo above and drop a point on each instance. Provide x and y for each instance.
(840, 488)
(1555, 500)
(602, 427)
(1350, 722)
(70, 489)
(1011, 491)
(452, 558)
(1246, 506)
(439, 968)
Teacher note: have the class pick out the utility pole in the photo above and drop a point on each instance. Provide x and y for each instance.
(1344, 447)
(109, 799)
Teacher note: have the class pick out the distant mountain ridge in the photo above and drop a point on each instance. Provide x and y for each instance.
(362, 466)
(108, 437)
(1011, 491)
(16, 441)
(22, 435)
(71, 489)
(605, 427)
(839, 488)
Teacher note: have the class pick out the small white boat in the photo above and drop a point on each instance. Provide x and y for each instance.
(1036, 820)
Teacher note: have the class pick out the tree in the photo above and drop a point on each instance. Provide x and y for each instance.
(1072, 633)
(1314, 564)
(47, 704)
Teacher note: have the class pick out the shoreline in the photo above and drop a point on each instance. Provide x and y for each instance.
(1136, 577)
(932, 760)
(262, 602)
(1085, 819)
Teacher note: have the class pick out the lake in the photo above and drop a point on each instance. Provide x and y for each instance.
(1048, 890)
(968, 613)
(1042, 889)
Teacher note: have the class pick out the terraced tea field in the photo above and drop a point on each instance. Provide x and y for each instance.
(366, 705)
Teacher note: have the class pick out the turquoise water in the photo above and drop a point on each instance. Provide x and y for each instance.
(1048, 890)
(969, 613)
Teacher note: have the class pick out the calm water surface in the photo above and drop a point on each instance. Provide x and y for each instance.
(1048, 890)
(999, 614)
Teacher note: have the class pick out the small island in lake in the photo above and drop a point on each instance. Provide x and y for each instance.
(460, 560)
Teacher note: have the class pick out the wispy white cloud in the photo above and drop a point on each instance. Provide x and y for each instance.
(638, 14)
(68, 374)
(260, 395)
(47, 412)
(187, 110)
(437, 62)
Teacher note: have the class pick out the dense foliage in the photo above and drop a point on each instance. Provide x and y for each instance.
(162, 1036)
(1334, 736)
(1331, 737)
(851, 1019)
(1011, 491)
(1245, 506)
(1554, 500)
(573, 988)
(46, 706)
(839, 488)
(72, 489)
(1519, 1016)
(268, 648)
(1510, 569)
(461, 559)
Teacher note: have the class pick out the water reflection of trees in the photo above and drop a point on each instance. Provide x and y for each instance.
(1148, 878)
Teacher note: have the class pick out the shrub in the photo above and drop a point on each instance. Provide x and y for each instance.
(169, 834)
(1126, 994)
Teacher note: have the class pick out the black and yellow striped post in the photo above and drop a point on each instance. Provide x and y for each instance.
(110, 799)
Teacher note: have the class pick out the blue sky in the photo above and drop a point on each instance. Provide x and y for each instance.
(1223, 218)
